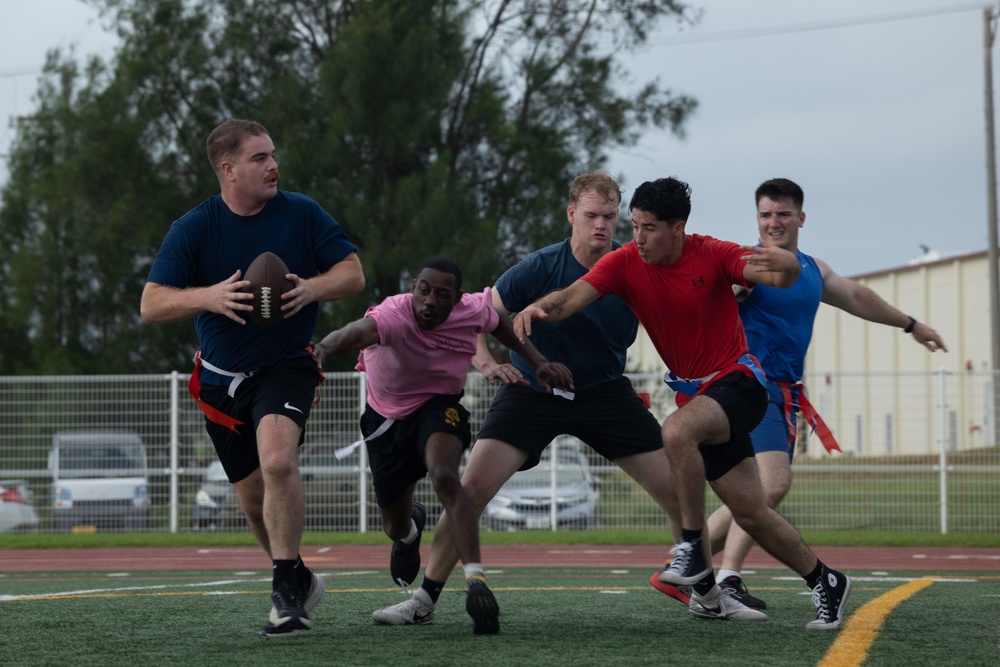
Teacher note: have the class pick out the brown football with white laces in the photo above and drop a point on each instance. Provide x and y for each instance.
(267, 279)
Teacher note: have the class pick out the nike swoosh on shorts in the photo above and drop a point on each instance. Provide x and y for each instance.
(289, 406)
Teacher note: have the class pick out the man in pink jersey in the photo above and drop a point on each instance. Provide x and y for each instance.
(680, 287)
(416, 351)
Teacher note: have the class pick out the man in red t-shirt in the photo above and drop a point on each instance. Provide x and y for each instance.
(680, 287)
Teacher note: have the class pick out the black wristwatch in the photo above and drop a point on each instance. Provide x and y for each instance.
(909, 327)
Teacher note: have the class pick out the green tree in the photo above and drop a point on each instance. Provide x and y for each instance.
(427, 127)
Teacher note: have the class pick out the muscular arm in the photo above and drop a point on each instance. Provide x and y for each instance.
(861, 301)
(548, 374)
(486, 363)
(343, 279)
(556, 306)
(357, 335)
(483, 359)
(770, 265)
(162, 303)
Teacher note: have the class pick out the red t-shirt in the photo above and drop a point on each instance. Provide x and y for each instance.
(687, 308)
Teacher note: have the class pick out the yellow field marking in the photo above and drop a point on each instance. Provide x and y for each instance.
(861, 630)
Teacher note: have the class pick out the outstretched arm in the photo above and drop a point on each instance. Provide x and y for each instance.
(357, 335)
(770, 265)
(486, 363)
(556, 306)
(861, 301)
(549, 374)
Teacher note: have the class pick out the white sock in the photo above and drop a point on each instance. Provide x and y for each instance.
(422, 596)
(722, 574)
(414, 532)
(473, 569)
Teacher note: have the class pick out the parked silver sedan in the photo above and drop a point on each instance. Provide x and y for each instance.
(539, 499)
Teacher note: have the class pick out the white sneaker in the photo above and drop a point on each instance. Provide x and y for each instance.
(725, 607)
(409, 612)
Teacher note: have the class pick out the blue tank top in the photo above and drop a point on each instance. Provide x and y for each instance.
(592, 343)
(779, 322)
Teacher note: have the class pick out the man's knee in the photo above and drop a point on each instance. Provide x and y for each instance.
(478, 489)
(445, 481)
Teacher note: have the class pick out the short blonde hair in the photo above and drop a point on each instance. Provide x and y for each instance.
(598, 181)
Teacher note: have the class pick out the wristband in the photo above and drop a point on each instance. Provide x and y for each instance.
(909, 327)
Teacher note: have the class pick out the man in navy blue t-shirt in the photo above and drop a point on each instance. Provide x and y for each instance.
(256, 385)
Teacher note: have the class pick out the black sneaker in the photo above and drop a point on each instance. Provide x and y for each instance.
(483, 608)
(688, 567)
(404, 562)
(829, 596)
(288, 616)
(739, 591)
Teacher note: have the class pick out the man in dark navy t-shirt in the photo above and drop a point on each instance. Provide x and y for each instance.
(255, 385)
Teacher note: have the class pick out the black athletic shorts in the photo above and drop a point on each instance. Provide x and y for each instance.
(611, 419)
(744, 400)
(287, 388)
(397, 456)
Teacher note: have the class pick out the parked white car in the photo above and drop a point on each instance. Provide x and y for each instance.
(99, 481)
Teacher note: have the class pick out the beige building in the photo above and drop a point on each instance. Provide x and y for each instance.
(881, 392)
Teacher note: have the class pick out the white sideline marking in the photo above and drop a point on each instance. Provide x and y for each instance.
(958, 557)
(126, 589)
(588, 551)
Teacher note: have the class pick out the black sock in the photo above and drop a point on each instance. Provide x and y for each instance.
(282, 570)
(433, 588)
(813, 577)
(692, 536)
(303, 574)
(705, 585)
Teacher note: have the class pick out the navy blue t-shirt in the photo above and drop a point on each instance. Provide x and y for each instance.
(592, 343)
(209, 243)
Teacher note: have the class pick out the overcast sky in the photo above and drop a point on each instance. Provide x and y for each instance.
(875, 107)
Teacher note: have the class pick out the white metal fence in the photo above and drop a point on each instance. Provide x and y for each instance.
(919, 455)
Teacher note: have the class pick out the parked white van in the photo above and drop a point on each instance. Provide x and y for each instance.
(99, 481)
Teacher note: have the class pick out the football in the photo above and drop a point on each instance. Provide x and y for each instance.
(267, 283)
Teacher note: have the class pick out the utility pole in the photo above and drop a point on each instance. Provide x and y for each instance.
(989, 32)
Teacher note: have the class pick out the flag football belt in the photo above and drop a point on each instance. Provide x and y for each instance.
(194, 388)
(794, 397)
(344, 452)
(690, 387)
(217, 416)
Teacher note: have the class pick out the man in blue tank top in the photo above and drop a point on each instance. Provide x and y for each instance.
(255, 385)
(778, 325)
